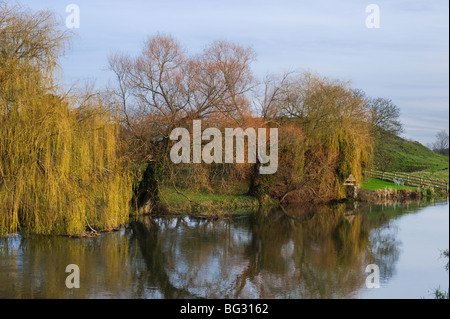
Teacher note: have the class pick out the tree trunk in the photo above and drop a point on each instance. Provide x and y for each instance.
(146, 194)
(255, 182)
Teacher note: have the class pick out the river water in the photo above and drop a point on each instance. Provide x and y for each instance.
(319, 252)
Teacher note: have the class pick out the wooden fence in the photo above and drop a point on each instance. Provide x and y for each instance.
(408, 180)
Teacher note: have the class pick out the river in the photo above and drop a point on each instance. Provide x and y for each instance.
(319, 252)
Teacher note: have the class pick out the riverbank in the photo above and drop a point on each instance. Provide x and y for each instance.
(174, 201)
(365, 195)
(216, 204)
(374, 190)
(213, 206)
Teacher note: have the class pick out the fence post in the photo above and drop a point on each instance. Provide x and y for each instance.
(382, 178)
(371, 172)
(407, 179)
(420, 181)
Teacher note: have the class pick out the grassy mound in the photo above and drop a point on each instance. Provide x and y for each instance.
(395, 154)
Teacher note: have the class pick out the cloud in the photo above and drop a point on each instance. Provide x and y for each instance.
(405, 60)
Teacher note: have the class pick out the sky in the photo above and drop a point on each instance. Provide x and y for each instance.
(405, 59)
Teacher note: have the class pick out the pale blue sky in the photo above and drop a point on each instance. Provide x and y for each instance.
(406, 59)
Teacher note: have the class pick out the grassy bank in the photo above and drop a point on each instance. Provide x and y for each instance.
(188, 201)
(395, 154)
(375, 189)
(441, 174)
(377, 184)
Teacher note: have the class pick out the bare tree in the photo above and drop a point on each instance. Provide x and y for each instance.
(441, 145)
(164, 88)
(385, 115)
(269, 100)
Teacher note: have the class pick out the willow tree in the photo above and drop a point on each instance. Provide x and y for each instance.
(59, 168)
(334, 123)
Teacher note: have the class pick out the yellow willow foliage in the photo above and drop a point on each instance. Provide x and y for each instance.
(344, 235)
(334, 122)
(291, 161)
(354, 149)
(59, 168)
(339, 123)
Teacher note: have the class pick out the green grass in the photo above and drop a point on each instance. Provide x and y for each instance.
(377, 184)
(395, 154)
(441, 175)
(205, 202)
(173, 197)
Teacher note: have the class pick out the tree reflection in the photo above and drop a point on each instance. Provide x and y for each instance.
(320, 252)
(317, 252)
(308, 254)
(35, 267)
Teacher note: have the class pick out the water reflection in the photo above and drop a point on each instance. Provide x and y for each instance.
(319, 252)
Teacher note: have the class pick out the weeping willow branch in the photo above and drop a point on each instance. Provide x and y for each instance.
(59, 163)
